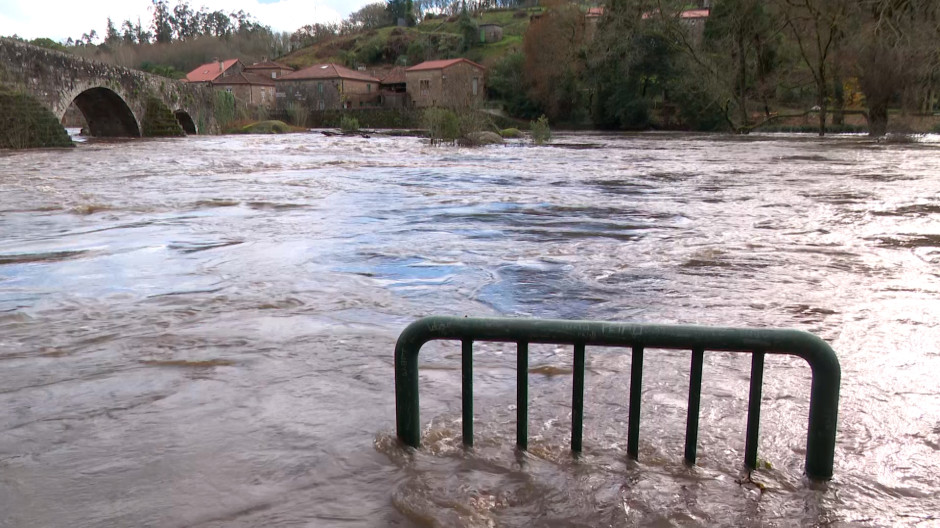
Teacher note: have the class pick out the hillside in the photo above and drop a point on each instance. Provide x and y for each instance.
(433, 38)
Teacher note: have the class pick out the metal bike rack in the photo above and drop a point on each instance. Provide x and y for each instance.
(824, 397)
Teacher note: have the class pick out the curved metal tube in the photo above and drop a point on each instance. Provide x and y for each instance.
(826, 372)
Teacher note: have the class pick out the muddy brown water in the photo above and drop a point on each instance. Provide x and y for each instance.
(199, 331)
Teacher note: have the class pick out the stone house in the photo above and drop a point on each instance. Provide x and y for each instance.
(695, 20)
(393, 91)
(327, 87)
(491, 33)
(248, 88)
(232, 76)
(591, 21)
(269, 69)
(452, 83)
(211, 71)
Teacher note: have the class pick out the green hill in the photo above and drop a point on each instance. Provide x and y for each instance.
(434, 38)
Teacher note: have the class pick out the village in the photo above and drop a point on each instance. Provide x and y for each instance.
(275, 87)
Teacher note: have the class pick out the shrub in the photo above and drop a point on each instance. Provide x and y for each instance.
(474, 121)
(348, 124)
(510, 133)
(266, 127)
(442, 124)
(541, 133)
(297, 114)
(224, 107)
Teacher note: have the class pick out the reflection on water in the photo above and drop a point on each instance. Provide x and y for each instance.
(199, 331)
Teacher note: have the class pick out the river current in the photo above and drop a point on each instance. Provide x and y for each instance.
(199, 331)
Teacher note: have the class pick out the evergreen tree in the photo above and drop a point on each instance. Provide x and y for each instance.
(162, 28)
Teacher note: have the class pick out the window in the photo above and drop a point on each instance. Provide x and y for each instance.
(320, 87)
(274, 75)
(368, 88)
(476, 85)
(322, 104)
(425, 86)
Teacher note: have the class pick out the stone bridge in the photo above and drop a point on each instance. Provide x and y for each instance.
(115, 101)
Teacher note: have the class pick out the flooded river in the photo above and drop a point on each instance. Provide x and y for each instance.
(199, 331)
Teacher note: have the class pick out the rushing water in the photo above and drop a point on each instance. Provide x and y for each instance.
(199, 332)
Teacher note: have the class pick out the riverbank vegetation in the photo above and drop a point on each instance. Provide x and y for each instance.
(261, 127)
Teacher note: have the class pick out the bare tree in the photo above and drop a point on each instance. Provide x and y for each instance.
(817, 27)
(897, 53)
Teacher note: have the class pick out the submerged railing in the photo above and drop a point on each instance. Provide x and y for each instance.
(824, 396)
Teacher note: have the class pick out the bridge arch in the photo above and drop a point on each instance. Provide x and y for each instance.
(186, 121)
(106, 113)
(111, 100)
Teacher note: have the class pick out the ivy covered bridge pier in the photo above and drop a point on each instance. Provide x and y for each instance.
(38, 85)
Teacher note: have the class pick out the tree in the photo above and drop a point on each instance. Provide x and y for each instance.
(817, 27)
(87, 39)
(505, 82)
(312, 34)
(127, 33)
(739, 36)
(44, 42)
(896, 52)
(401, 10)
(469, 31)
(186, 23)
(217, 24)
(553, 47)
(633, 61)
(371, 16)
(111, 37)
(162, 28)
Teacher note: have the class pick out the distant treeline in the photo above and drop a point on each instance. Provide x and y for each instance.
(644, 64)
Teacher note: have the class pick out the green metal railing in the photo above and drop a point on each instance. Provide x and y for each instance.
(824, 395)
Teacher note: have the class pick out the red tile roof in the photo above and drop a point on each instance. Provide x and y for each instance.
(267, 65)
(328, 71)
(441, 64)
(396, 76)
(209, 71)
(694, 13)
(688, 14)
(244, 78)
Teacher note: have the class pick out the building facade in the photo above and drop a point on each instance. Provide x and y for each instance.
(327, 87)
(453, 83)
(249, 89)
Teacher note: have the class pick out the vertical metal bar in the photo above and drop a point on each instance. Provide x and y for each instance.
(577, 398)
(695, 399)
(467, 391)
(522, 395)
(753, 410)
(823, 414)
(636, 387)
